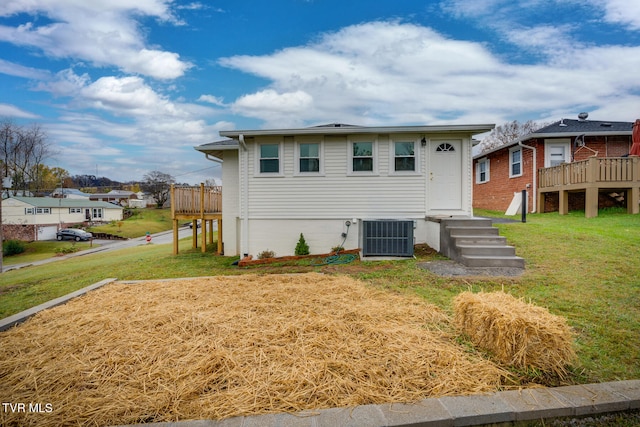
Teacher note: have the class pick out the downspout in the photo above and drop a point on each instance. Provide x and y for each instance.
(535, 174)
(244, 190)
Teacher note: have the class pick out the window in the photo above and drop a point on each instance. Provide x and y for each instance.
(404, 156)
(29, 211)
(515, 162)
(445, 147)
(270, 158)
(43, 210)
(482, 171)
(97, 212)
(309, 157)
(362, 157)
(75, 210)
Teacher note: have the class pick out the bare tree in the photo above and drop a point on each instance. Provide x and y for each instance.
(23, 151)
(158, 184)
(508, 133)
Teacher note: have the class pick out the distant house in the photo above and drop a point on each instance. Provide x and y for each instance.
(38, 218)
(69, 193)
(119, 197)
(375, 188)
(569, 164)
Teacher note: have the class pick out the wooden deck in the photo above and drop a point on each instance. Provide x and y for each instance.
(202, 205)
(595, 174)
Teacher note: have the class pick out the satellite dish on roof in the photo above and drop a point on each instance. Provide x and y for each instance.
(583, 116)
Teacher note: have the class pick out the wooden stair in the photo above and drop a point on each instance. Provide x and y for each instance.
(474, 242)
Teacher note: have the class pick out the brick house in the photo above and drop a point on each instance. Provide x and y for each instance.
(535, 160)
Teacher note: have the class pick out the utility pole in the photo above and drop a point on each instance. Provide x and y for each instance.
(6, 183)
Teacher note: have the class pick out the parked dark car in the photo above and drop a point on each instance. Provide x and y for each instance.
(73, 234)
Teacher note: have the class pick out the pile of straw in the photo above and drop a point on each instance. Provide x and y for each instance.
(212, 348)
(516, 333)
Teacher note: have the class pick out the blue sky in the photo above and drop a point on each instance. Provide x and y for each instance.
(122, 88)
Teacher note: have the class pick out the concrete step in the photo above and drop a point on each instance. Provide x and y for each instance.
(491, 261)
(466, 222)
(488, 250)
(472, 231)
(479, 240)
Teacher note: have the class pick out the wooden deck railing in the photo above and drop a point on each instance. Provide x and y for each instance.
(196, 201)
(602, 172)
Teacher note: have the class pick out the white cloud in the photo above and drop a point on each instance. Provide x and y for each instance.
(13, 69)
(211, 99)
(389, 72)
(7, 110)
(102, 32)
(623, 11)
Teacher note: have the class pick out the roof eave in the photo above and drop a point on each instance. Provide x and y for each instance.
(474, 129)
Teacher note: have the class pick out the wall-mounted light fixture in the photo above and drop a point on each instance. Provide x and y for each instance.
(423, 141)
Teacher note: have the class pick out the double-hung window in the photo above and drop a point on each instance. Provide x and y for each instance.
(270, 158)
(404, 156)
(97, 213)
(515, 162)
(482, 171)
(309, 157)
(362, 157)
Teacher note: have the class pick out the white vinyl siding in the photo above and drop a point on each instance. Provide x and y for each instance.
(338, 193)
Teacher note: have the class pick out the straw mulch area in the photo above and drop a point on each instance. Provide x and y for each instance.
(515, 332)
(211, 348)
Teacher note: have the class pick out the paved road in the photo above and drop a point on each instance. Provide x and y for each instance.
(111, 245)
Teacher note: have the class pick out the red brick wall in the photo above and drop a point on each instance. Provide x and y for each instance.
(26, 233)
(498, 192)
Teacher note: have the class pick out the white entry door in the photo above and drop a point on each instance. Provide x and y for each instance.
(445, 175)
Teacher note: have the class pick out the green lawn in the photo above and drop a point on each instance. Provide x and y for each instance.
(587, 270)
(150, 220)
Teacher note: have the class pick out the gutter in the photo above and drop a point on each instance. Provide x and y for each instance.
(535, 174)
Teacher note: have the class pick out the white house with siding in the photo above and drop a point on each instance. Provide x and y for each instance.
(374, 188)
(43, 216)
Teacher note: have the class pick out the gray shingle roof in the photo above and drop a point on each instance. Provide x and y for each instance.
(578, 127)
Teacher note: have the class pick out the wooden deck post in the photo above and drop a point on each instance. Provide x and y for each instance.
(633, 200)
(219, 236)
(563, 203)
(172, 195)
(591, 202)
(175, 237)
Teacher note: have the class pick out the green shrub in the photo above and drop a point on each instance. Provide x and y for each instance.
(302, 248)
(13, 247)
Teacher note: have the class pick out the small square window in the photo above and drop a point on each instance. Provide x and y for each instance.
(269, 158)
